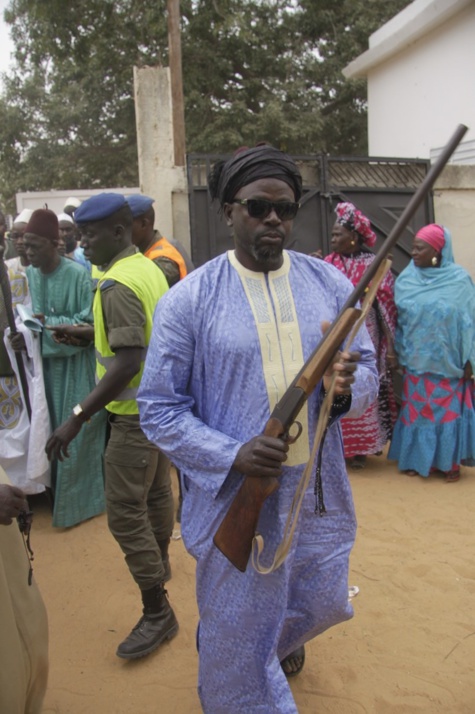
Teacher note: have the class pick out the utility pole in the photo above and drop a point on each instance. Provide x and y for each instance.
(176, 78)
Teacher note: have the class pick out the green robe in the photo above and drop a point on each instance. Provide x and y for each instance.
(65, 297)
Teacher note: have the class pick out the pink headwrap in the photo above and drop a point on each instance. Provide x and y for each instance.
(433, 234)
(349, 217)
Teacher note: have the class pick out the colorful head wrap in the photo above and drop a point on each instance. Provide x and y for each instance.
(248, 165)
(347, 215)
(433, 234)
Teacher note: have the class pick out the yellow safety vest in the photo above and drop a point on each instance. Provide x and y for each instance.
(96, 275)
(149, 284)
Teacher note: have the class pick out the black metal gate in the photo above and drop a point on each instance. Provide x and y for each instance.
(380, 187)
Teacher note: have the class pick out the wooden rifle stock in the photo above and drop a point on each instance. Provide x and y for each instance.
(235, 535)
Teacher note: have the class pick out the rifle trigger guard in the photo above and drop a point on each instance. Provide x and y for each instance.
(292, 439)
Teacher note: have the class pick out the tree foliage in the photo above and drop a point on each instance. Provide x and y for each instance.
(252, 70)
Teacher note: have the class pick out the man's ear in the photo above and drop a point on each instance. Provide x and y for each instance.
(119, 231)
(227, 211)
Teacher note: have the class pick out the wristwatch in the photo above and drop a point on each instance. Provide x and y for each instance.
(79, 412)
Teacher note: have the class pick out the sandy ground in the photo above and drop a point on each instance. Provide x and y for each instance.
(409, 649)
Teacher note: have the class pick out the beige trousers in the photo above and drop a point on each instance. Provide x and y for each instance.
(23, 628)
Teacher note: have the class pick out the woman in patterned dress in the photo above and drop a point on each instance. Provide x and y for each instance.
(435, 344)
(351, 239)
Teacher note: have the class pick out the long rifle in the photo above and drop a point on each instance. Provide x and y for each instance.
(235, 535)
(7, 298)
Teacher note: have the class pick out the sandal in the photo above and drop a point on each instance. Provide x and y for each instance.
(411, 472)
(358, 462)
(452, 476)
(294, 662)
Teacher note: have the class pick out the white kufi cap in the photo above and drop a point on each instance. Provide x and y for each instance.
(65, 217)
(73, 201)
(24, 216)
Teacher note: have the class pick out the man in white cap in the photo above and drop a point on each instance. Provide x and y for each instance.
(22, 438)
(68, 231)
(71, 204)
(16, 250)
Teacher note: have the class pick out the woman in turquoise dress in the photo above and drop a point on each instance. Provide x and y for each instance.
(435, 345)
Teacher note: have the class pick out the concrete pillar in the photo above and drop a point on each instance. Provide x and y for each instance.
(454, 201)
(158, 176)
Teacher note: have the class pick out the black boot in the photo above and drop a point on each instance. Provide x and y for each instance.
(163, 545)
(157, 624)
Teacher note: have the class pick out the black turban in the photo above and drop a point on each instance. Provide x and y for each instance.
(251, 165)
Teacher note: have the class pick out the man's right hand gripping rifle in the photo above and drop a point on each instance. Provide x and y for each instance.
(263, 456)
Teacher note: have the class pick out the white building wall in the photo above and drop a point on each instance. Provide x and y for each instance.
(418, 97)
(454, 207)
(55, 200)
(419, 68)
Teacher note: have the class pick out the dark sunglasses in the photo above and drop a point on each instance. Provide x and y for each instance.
(260, 208)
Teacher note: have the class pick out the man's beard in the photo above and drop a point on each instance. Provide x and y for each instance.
(267, 253)
(268, 256)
